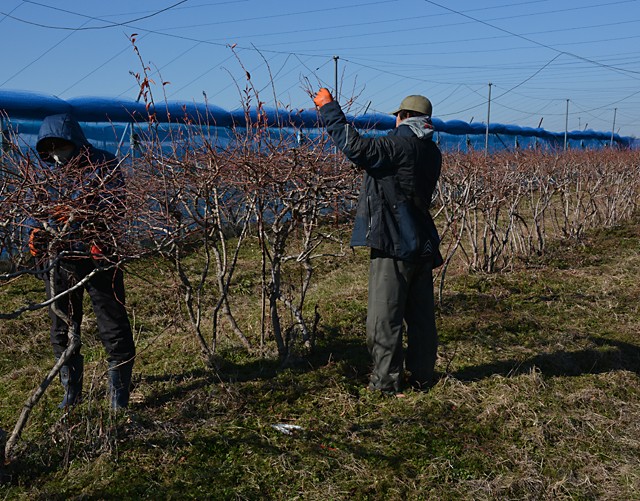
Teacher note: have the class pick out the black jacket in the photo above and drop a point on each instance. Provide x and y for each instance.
(401, 172)
(96, 189)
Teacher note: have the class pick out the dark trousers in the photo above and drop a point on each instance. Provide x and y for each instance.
(106, 290)
(399, 292)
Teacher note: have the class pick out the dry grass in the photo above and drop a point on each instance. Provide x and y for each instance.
(539, 398)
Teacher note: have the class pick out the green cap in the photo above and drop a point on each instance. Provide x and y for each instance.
(415, 103)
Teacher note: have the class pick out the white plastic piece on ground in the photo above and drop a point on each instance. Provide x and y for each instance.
(287, 429)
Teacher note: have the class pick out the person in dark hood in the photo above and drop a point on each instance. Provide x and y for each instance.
(81, 203)
(401, 170)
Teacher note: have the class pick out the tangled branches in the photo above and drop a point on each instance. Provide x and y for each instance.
(494, 210)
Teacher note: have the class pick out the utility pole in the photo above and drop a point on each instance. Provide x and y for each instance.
(614, 126)
(486, 135)
(335, 77)
(335, 93)
(566, 126)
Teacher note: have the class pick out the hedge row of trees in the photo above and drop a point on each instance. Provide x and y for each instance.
(197, 205)
(292, 199)
(496, 210)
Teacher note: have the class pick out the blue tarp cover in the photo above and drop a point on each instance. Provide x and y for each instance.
(23, 105)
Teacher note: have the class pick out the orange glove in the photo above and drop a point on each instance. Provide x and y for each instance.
(97, 252)
(60, 213)
(37, 242)
(322, 97)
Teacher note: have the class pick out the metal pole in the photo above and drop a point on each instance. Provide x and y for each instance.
(486, 135)
(566, 126)
(335, 77)
(614, 126)
(335, 92)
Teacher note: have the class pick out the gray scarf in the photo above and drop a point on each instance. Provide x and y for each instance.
(421, 126)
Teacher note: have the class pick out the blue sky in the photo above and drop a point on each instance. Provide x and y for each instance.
(536, 54)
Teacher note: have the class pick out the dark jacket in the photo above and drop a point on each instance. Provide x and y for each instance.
(401, 172)
(94, 188)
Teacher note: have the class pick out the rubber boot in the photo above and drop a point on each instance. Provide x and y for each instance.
(71, 379)
(120, 383)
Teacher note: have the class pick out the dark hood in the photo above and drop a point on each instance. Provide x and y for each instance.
(61, 127)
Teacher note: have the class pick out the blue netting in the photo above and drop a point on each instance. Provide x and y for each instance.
(108, 123)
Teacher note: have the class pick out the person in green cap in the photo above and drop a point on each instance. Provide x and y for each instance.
(392, 218)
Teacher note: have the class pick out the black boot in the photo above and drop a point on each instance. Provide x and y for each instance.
(71, 379)
(120, 383)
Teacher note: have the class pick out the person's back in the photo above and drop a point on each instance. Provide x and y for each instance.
(392, 219)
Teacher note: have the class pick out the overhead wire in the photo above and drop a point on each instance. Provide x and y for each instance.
(538, 71)
(100, 66)
(528, 78)
(628, 58)
(217, 65)
(541, 44)
(33, 61)
(184, 7)
(431, 43)
(212, 41)
(6, 16)
(288, 14)
(355, 60)
(268, 50)
(82, 28)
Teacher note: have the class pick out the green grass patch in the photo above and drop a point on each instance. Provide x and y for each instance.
(538, 396)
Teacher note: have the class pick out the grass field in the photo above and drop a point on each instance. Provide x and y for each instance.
(538, 396)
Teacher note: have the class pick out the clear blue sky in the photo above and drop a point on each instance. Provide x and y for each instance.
(536, 54)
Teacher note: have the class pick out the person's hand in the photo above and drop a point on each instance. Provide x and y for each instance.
(322, 97)
(37, 242)
(98, 251)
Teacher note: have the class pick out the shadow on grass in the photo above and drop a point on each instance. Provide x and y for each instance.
(606, 355)
(351, 354)
(353, 362)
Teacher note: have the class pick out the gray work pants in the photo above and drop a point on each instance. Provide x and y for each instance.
(401, 291)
